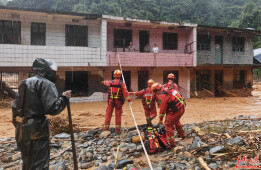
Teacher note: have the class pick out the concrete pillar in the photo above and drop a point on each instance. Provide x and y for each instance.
(195, 46)
(103, 42)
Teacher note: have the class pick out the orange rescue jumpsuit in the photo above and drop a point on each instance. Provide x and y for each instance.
(166, 101)
(116, 94)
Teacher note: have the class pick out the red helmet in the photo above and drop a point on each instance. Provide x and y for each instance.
(117, 73)
(171, 76)
(150, 82)
(155, 87)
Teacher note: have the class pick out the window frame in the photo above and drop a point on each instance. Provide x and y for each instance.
(118, 41)
(168, 42)
(203, 43)
(38, 33)
(10, 31)
(77, 30)
(236, 44)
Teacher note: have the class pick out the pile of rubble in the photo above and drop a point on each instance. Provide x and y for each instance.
(5, 100)
(208, 145)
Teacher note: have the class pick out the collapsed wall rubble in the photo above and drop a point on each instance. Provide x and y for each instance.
(214, 144)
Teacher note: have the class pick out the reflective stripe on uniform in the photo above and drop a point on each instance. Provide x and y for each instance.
(127, 98)
(117, 126)
(161, 115)
(172, 137)
(106, 125)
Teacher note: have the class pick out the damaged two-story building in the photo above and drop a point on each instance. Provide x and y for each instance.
(206, 61)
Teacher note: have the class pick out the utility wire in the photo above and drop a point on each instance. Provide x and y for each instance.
(147, 156)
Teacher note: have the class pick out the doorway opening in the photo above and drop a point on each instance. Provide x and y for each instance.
(218, 82)
(144, 39)
(143, 77)
(77, 81)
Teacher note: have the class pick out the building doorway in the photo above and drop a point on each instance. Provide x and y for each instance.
(77, 81)
(219, 49)
(218, 82)
(165, 75)
(143, 77)
(144, 39)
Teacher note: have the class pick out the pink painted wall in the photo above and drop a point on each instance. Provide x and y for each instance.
(149, 59)
(185, 35)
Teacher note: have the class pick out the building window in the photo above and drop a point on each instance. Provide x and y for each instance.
(202, 80)
(239, 79)
(238, 44)
(122, 38)
(170, 41)
(38, 31)
(10, 32)
(203, 42)
(76, 35)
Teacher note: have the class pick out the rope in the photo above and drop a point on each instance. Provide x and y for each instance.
(147, 156)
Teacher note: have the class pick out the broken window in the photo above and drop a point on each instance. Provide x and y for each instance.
(203, 42)
(10, 32)
(202, 80)
(122, 38)
(239, 79)
(238, 44)
(38, 31)
(170, 41)
(76, 35)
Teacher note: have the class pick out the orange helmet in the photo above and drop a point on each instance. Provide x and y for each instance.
(155, 87)
(117, 73)
(171, 76)
(150, 82)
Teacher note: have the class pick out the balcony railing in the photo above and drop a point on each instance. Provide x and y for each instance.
(24, 55)
(149, 59)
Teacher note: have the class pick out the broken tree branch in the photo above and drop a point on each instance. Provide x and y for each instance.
(203, 163)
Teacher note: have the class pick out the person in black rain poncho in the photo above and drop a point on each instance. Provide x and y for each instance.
(40, 98)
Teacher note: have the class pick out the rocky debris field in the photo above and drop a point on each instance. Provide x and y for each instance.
(208, 145)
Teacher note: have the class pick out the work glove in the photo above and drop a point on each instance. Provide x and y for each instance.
(160, 122)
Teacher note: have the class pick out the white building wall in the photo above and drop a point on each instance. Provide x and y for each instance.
(24, 54)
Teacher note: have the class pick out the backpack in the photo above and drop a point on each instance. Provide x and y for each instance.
(155, 141)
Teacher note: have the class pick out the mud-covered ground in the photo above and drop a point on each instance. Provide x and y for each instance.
(91, 115)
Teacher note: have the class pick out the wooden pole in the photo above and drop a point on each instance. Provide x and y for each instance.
(116, 158)
(72, 137)
(208, 91)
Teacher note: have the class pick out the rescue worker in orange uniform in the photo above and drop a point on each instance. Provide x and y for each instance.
(171, 84)
(171, 103)
(148, 102)
(117, 94)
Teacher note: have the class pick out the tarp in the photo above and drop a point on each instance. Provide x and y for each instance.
(257, 54)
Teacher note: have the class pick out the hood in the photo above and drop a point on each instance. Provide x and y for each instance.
(45, 68)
